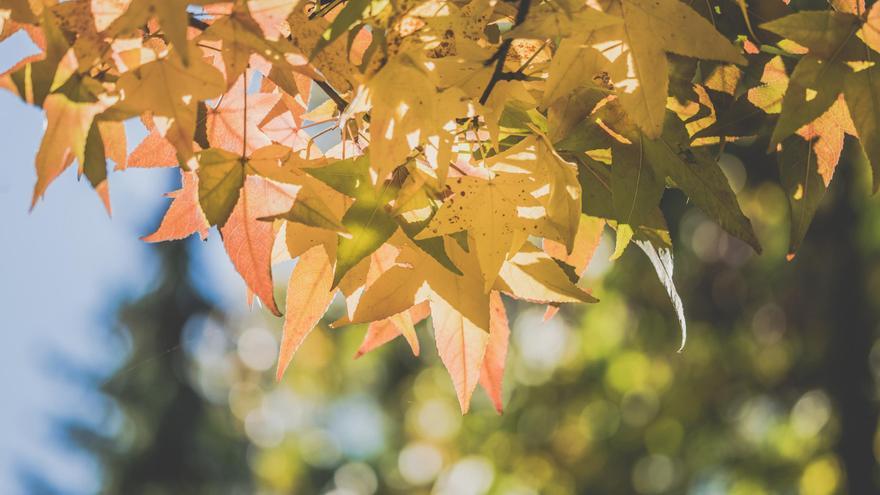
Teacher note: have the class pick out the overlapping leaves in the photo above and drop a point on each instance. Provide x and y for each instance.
(434, 157)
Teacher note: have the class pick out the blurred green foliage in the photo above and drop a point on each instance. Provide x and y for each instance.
(597, 399)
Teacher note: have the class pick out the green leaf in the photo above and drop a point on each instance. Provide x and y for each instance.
(94, 162)
(370, 226)
(699, 177)
(367, 219)
(635, 189)
(311, 211)
(221, 176)
(827, 34)
(862, 94)
(346, 176)
(804, 187)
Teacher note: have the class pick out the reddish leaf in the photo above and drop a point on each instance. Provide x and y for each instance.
(237, 119)
(154, 151)
(248, 241)
(271, 15)
(383, 331)
(492, 372)
(461, 342)
(184, 216)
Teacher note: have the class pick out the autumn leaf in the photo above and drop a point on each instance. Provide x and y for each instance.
(233, 125)
(308, 295)
(248, 240)
(67, 127)
(221, 176)
(184, 216)
(492, 370)
(638, 47)
(168, 88)
(367, 220)
(153, 151)
(487, 210)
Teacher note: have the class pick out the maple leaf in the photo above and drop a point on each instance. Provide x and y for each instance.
(637, 53)
(585, 243)
(184, 216)
(406, 109)
(123, 17)
(700, 177)
(806, 166)
(67, 127)
(168, 88)
(233, 125)
(815, 85)
(367, 219)
(248, 240)
(492, 369)
(221, 176)
(309, 293)
(488, 209)
(383, 331)
(562, 202)
(153, 151)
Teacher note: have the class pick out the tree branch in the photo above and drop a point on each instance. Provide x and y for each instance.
(326, 88)
(197, 23)
(501, 55)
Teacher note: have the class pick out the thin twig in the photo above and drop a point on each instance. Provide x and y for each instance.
(326, 88)
(501, 55)
(197, 23)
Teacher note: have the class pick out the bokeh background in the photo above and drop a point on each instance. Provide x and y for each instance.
(129, 368)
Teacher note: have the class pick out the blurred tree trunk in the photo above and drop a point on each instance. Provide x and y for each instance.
(834, 307)
(181, 443)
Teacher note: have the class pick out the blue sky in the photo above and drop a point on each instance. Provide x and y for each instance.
(63, 269)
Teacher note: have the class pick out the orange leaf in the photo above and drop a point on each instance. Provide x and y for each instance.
(270, 15)
(184, 216)
(586, 241)
(237, 119)
(828, 131)
(284, 130)
(153, 151)
(461, 346)
(113, 136)
(308, 296)
(492, 372)
(248, 241)
(383, 331)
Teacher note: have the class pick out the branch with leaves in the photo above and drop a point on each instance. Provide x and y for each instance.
(436, 191)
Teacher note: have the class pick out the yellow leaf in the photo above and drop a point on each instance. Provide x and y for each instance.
(497, 213)
(308, 295)
(67, 127)
(637, 50)
(168, 88)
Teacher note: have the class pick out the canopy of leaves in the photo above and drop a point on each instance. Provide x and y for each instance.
(480, 147)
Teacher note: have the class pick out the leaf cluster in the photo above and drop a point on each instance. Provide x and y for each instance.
(476, 148)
